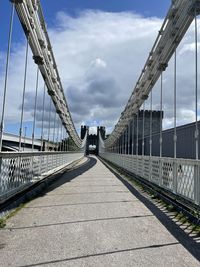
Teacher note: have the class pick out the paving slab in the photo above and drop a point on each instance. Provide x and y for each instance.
(89, 218)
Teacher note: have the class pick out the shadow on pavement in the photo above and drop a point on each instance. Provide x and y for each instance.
(68, 176)
(182, 237)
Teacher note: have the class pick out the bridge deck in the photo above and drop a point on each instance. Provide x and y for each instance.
(90, 218)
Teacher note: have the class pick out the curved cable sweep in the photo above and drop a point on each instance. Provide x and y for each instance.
(178, 19)
(32, 20)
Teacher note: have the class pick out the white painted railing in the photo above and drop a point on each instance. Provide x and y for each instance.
(180, 176)
(20, 170)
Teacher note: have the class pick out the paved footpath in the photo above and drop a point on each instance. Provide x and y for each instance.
(90, 218)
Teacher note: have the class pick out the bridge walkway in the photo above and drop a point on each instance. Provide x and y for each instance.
(90, 218)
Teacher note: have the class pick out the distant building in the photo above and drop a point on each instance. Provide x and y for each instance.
(92, 139)
(84, 129)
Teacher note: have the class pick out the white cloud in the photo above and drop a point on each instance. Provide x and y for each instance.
(104, 53)
(98, 63)
(100, 56)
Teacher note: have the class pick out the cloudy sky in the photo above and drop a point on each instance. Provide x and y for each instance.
(100, 48)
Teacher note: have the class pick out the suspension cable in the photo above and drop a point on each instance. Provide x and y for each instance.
(196, 89)
(122, 142)
(23, 96)
(57, 134)
(60, 136)
(68, 143)
(120, 145)
(161, 107)
(126, 140)
(6, 76)
(49, 119)
(133, 137)
(143, 128)
(150, 140)
(65, 141)
(137, 133)
(35, 108)
(43, 108)
(54, 127)
(59, 129)
(130, 137)
(175, 135)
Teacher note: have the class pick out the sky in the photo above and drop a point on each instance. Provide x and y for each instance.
(73, 8)
(100, 48)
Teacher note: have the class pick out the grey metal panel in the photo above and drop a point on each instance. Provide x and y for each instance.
(185, 142)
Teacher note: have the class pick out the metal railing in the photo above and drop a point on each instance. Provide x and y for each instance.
(20, 170)
(179, 176)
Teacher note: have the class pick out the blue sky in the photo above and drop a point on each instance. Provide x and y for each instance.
(147, 8)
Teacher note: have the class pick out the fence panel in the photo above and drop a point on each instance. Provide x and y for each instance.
(19, 170)
(180, 176)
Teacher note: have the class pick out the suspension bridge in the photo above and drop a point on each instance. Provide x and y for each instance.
(88, 210)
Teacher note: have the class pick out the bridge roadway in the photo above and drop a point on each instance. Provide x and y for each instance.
(90, 218)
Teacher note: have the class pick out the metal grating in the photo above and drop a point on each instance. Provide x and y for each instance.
(179, 176)
(22, 169)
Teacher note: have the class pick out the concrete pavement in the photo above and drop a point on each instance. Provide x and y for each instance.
(90, 218)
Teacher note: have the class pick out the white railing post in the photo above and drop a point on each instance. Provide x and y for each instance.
(160, 171)
(175, 176)
(196, 184)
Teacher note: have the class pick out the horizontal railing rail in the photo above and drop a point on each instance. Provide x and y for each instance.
(20, 170)
(179, 176)
(35, 153)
